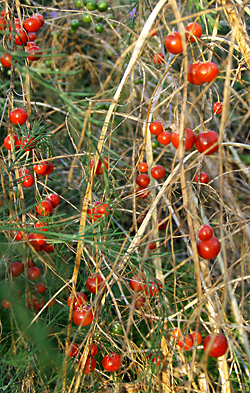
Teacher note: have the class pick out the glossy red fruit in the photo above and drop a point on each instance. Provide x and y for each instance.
(44, 208)
(16, 269)
(5, 302)
(192, 74)
(136, 283)
(143, 167)
(26, 178)
(143, 180)
(38, 239)
(140, 302)
(18, 116)
(152, 246)
(40, 287)
(142, 193)
(205, 233)
(111, 362)
(27, 143)
(187, 341)
(38, 306)
(18, 236)
(34, 273)
(40, 17)
(50, 168)
(206, 72)
(32, 37)
(156, 128)
(158, 58)
(7, 142)
(6, 60)
(34, 53)
(100, 166)
(48, 248)
(41, 226)
(3, 23)
(203, 178)
(164, 138)
(33, 242)
(94, 349)
(208, 249)
(21, 37)
(217, 107)
(93, 284)
(41, 168)
(32, 24)
(195, 29)
(54, 199)
(103, 209)
(205, 141)
(152, 32)
(89, 366)
(158, 172)
(162, 225)
(216, 344)
(73, 350)
(153, 288)
(30, 263)
(83, 316)
(199, 337)
(79, 299)
(176, 333)
(173, 43)
(189, 137)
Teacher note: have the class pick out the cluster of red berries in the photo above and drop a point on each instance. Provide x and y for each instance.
(143, 180)
(25, 35)
(34, 273)
(215, 345)
(208, 247)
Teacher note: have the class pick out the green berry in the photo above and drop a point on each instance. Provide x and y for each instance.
(78, 3)
(98, 27)
(99, 105)
(48, 63)
(107, 105)
(72, 31)
(74, 24)
(91, 5)
(102, 6)
(155, 143)
(99, 19)
(86, 18)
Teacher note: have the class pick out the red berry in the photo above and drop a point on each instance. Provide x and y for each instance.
(203, 178)
(44, 208)
(142, 193)
(158, 172)
(205, 233)
(136, 283)
(164, 138)
(143, 167)
(73, 350)
(188, 342)
(34, 53)
(48, 248)
(26, 178)
(41, 168)
(41, 226)
(205, 141)
(216, 344)
(217, 107)
(192, 74)
(156, 128)
(40, 287)
(34, 273)
(18, 236)
(18, 116)
(158, 58)
(54, 199)
(152, 246)
(199, 337)
(40, 17)
(143, 180)
(2, 23)
(6, 60)
(189, 136)
(32, 24)
(100, 166)
(206, 72)
(79, 299)
(208, 249)
(16, 269)
(111, 362)
(21, 37)
(32, 37)
(7, 142)
(83, 316)
(195, 29)
(89, 366)
(50, 168)
(93, 284)
(173, 43)
(94, 349)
